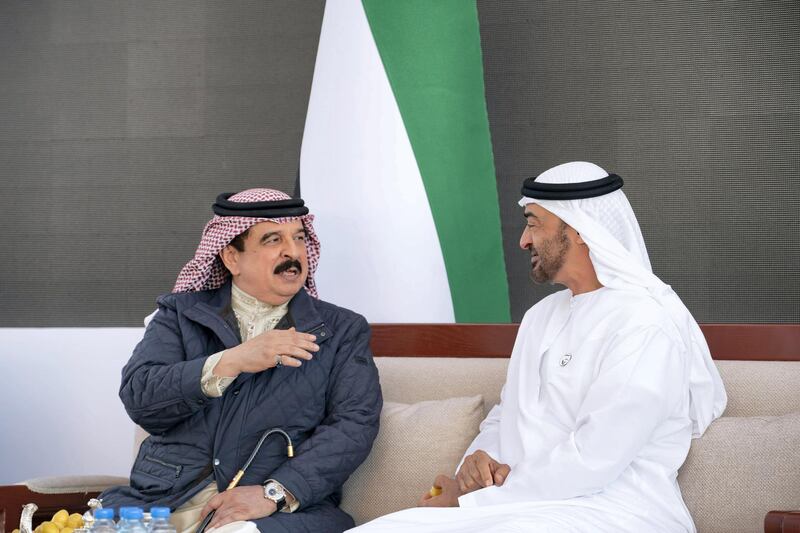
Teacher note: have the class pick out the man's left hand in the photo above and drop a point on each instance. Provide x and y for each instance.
(239, 503)
(448, 497)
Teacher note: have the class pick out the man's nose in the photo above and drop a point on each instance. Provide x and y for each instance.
(525, 240)
(292, 248)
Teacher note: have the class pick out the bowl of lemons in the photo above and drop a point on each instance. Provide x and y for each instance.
(62, 522)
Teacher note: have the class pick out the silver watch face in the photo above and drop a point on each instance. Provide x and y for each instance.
(274, 492)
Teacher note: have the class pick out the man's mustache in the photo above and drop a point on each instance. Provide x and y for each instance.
(286, 265)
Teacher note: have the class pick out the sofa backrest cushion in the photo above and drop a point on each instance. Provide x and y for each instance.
(415, 443)
(742, 468)
(755, 388)
(415, 379)
(761, 388)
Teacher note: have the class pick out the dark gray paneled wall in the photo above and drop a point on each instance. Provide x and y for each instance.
(695, 104)
(120, 121)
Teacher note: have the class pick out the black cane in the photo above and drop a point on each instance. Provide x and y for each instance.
(235, 481)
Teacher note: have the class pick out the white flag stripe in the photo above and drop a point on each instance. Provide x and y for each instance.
(380, 251)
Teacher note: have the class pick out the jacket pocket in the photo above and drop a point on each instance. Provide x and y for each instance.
(176, 468)
(152, 475)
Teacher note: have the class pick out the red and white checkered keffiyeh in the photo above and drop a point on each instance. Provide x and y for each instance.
(206, 271)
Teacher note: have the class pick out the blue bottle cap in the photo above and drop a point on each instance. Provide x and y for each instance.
(135, 513)
(159, 512)
(104, 514)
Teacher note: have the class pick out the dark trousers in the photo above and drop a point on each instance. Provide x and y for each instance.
(324, 517)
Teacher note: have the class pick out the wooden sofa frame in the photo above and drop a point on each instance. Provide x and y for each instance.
(760, 342)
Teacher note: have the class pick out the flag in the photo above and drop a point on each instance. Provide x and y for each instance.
(396, 164)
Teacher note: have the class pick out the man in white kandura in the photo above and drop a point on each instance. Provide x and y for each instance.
(608, 383)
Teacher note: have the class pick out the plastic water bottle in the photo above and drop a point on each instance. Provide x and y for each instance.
(147, 521)
(104, 521)
(122, 524)
(161, 523)
(130, 520)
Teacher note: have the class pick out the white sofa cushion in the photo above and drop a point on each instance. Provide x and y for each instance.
(415, 443)
(742, 468)
(755, 388)
(417, 379)
(69, 484)
(761, 388)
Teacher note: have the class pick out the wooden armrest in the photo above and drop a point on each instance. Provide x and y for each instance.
(782, 522)
(13, 497)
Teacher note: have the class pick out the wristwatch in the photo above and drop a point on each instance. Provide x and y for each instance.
(274, 491)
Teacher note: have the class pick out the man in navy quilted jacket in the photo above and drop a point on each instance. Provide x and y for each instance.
(240, 346)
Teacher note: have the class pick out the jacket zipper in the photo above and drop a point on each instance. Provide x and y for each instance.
(177, 468)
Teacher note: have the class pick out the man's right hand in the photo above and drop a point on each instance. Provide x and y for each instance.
(261, 352)
(479, 470)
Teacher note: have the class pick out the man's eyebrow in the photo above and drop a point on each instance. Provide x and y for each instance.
(529, 214)
(267, 235)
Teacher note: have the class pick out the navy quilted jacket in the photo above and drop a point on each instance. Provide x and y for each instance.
(330, 407)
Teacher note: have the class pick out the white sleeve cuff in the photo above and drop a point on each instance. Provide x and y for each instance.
(213, 386)
(482, 497)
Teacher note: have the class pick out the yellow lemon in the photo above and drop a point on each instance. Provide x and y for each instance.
(49, 527)
(60, 518)
(75, 521)
(66, 530)
(15, 531)
(38, 529)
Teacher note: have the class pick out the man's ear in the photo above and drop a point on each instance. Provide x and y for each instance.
(574, 235)
(230, 258)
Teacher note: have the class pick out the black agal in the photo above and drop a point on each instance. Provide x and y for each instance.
(571, 191)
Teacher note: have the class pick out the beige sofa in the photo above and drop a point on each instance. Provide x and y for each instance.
(745, 465)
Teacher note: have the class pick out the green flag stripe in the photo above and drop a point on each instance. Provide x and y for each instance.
(432, 55)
